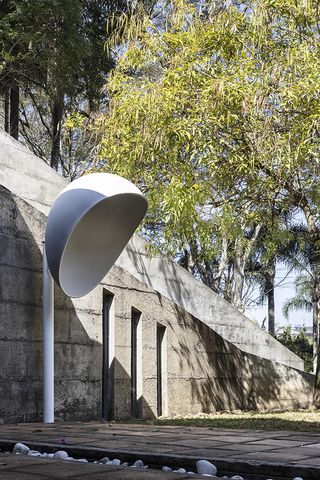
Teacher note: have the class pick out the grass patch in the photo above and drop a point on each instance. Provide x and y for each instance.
(300, 421)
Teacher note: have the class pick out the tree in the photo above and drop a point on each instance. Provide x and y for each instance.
(301, 256)
(262, 268)
(217, 117)
(299, 344)
(170, 149)
(11, 54)
(54, 62)
(212, 117)
(276, 244)
(302, 299)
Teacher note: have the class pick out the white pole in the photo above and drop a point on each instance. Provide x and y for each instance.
(48, 342)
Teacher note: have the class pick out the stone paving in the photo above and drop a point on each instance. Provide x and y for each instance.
(254, 454)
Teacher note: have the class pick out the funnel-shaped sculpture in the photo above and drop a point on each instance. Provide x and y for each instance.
(88, 226)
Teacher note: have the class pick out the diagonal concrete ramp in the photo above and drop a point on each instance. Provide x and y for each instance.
(26, 175)
(33, 180)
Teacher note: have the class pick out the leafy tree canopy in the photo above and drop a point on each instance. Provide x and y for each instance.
(53, 62)
(217, 117)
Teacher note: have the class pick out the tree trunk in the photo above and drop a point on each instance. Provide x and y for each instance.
(316, 353)
(271, 273)
(223, 264)
(242, 251)
(315, 327)
(314, 233)
(7, 111)
(238, 279)
(14, 112)
(56, 117)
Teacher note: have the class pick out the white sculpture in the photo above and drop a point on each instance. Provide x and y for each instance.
(89, 224)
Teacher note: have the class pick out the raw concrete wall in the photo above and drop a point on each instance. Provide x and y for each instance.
(26, 175)
(175, 283)
(31, 179)
(77, 354)
(202, 371)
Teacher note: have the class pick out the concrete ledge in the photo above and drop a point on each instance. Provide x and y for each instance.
(251, 470)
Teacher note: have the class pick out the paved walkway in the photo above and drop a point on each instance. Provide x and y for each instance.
(254, 454)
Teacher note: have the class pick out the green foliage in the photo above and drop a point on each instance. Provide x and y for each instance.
(59, 44)
(299, 344)
(217, 119)
(54, 52)
(302, 299)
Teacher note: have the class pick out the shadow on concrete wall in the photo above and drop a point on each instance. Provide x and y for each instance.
(78, 358)
(221, 376)
(122, 397)
(166, 271)
(234, 380)
(179, 285)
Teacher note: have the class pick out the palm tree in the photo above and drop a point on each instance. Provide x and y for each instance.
(303, 257)
(302, 298)
(307, 298)
(265, 273)
(271, 247)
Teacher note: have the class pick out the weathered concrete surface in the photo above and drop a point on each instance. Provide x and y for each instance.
(256, 455)
(31, 179)
(77, 355)
(26, 175)
(202, 371)
(175, 283)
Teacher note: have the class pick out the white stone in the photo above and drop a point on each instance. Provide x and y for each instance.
(190, 473)
(236, 477)
(166, 469)
(298, 478)
(205, 467)
(181, 470)
(138, 464)
(34, 453)
(81, 460)
(116, 461)
(104, 460)
(60, 454)
(21, 449)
